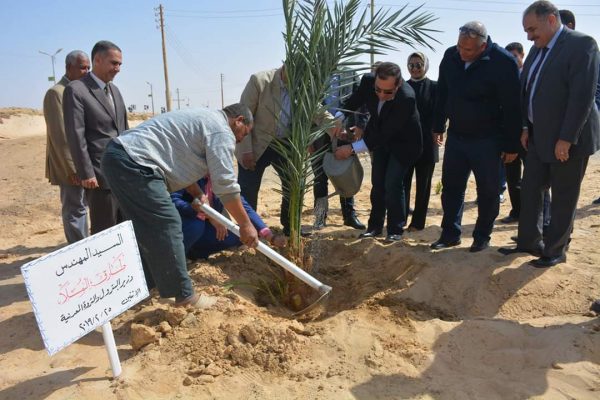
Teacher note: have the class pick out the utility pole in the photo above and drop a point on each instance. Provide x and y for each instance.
(222, 99)
(178, 100)
(151, 95)
(372, 14)
(52, 57)
(164, 51)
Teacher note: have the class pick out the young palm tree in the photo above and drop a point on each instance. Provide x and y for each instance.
(321, 40)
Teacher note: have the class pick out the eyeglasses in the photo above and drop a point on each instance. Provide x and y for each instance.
(470, 32)
(415, 65)
(380, 90)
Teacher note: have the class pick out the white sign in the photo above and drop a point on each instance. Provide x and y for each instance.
(84, 285)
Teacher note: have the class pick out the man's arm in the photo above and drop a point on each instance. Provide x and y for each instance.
(508, 88)
(580, 98)
(53, 113)
(250, 97)
(74, 120)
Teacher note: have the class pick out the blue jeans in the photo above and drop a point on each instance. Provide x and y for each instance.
(250, 181)
(200, 238)
(387, 192)
(461, 156)
(143, 197)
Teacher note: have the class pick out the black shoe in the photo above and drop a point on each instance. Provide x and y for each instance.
(597, 201)
(514, 238)
(479, 245)
(395, 237)
(508, 251)
(443, 244)
(370, 233)
(353, 222)
(595, 307)
(547, 262)
(509, 219)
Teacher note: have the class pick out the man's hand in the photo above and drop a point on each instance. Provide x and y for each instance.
(337, 128)
(198, 201)
(438, 139)
(343, 152)
(91, 183)
(220, 228)
(248, 235)
(277, 240)
(74, 180)
(561, 150)
(525, 139)
(357, 133)
(248, 161)
(507, 158)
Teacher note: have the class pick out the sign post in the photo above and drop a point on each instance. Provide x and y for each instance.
(81, 287)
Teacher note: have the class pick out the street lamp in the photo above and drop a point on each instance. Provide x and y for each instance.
(52, 56)
(151, 95)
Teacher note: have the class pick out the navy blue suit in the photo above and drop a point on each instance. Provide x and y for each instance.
(199, 236)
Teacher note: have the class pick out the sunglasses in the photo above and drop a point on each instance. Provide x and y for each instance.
(415, 65)
(470, 32)
(380, 90)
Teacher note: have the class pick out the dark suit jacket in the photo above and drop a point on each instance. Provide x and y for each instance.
(397, 127)
(425, 92)
(90, 123)
(563, 101)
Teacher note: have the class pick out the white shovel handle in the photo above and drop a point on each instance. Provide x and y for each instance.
(269, 252)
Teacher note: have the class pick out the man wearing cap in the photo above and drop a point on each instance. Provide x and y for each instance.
(478, 92)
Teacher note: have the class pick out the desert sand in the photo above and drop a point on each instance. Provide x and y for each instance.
(402, 322)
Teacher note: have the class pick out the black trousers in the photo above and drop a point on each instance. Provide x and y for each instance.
(424, 173)
(250, 181)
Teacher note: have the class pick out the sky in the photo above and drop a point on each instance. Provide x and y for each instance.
(207, 39)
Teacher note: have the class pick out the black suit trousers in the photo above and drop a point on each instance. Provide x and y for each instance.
(424, 172)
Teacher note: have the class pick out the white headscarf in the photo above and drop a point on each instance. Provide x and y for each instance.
(425, 60)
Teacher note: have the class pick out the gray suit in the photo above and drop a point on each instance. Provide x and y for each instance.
(90, 123)
(563, 108)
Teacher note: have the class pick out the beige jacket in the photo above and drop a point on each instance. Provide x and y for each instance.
(59, 163)
(262, 95)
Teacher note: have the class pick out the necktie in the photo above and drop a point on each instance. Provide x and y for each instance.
(109, 95)
(534, 74)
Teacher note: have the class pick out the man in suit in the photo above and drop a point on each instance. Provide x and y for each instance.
(393, 135)
(60, 169)
(266, 96)
(94, 113)
(563, 129)
(478, 91)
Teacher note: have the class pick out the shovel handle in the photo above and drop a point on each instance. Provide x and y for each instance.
(270, 253)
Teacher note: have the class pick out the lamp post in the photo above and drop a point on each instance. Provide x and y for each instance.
(52, 56)
(151, 95)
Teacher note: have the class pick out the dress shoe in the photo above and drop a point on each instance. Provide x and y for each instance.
(395, 237)
(353, 222)
(597, 201)
(514, 238)
(507, 251)
(443, 244)
(370, 234)
(595, 307)
(509, 219)
(479, 245)
(547, 262)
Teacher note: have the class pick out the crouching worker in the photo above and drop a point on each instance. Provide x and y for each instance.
(165, 154)
(202, 235)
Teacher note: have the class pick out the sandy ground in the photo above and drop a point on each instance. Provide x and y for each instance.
(402, 322)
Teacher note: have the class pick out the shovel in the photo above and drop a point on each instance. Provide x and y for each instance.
(322, 289)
